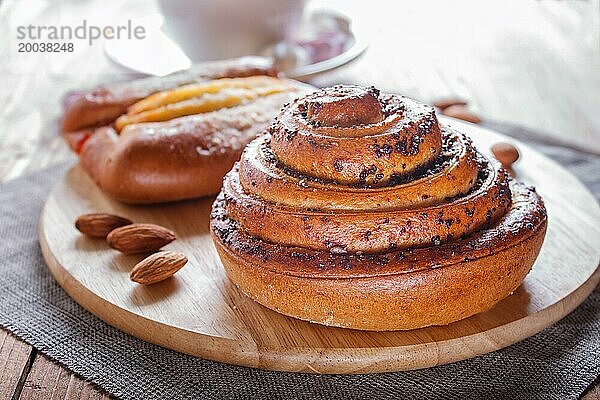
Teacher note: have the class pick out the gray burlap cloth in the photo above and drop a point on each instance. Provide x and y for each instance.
(558, 363)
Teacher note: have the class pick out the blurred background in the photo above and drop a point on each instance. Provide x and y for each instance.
(531, 63)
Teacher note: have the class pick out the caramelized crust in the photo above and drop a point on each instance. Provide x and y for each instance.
(454, 173)
(525, 217)
(395, 290)
(371, 231)
(343, 107)
(445, 236)
(407, 138)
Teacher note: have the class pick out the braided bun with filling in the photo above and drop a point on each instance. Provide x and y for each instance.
(175, 137)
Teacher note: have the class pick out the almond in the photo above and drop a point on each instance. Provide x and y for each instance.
(157, 267)
(461, 112)
(139, 238)
(506, 153)
(99, 224)
(442, 104)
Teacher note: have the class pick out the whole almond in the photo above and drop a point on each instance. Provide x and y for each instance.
(442, 104)
(157, 267)
(461, 112)
(99, 224)
(139, 238)
(506, 153)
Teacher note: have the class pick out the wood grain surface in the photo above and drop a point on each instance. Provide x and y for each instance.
(534, 63)
(15, 359)
(47, 380)
(200, 312)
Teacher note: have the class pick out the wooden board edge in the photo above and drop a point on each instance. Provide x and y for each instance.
(322, 361)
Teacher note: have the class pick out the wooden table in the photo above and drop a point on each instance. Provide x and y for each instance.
(533, 63)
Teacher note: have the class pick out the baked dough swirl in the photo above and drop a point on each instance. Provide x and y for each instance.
(358, 208)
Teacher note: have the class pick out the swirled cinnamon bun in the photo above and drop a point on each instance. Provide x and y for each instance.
(358, 209)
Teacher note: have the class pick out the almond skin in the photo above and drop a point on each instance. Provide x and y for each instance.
(157, 267)
(506, 153)
(99, 224)
(442, 104)
(461, 112)
(139, 238)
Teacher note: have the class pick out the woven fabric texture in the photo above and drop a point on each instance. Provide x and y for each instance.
(558, 363)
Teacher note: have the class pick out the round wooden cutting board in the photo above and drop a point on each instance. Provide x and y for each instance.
(200, 312)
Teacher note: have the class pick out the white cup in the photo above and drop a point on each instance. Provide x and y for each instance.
(217, 29)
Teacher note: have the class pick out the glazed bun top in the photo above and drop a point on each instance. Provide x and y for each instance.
(350, 169)
(356, 135)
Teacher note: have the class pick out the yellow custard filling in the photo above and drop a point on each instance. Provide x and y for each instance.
(199, 98)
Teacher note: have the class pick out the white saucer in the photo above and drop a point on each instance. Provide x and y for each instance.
(327, 40)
